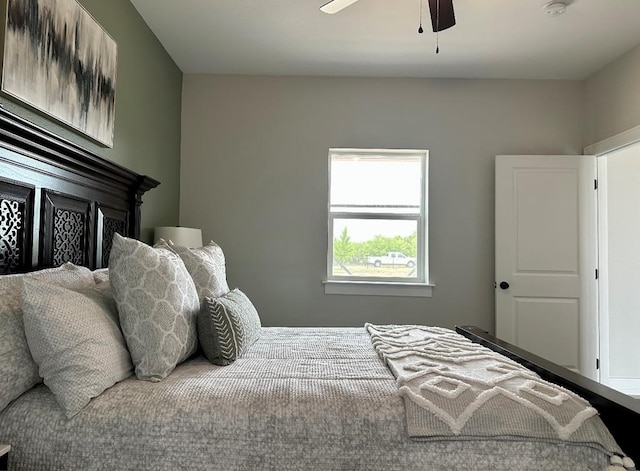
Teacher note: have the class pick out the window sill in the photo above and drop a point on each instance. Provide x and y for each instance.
(372, 288)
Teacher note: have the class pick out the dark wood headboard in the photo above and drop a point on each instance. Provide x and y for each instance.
(59, 202)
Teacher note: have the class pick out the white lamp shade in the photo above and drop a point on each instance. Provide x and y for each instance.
(182, 236)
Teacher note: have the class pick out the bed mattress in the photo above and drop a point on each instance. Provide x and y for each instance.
(300, 398)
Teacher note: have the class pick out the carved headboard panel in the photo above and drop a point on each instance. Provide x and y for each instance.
(60, 202)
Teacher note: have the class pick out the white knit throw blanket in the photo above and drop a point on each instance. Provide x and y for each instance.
(453, 387)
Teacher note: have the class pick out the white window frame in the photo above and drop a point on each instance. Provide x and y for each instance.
(381, 286)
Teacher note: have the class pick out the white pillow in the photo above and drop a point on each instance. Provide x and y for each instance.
(101, 275)
(206, 265)
(157, 305)
(18, 371)
(74, 338)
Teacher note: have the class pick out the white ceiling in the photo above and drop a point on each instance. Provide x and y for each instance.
(378, 38)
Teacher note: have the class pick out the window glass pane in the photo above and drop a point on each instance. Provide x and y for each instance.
(375, 248)
(372, 184)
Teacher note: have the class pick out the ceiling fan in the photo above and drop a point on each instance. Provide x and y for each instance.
(442, 16)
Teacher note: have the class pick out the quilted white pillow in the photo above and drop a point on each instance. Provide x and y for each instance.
(75, 340)
(157, 305)
(101, 275)
(18, 371)
(206, 265)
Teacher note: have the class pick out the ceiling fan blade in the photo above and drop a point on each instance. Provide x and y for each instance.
(334, 6)
(442, 16)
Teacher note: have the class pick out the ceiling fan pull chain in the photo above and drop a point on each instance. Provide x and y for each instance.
(420, 30)
(437, 26)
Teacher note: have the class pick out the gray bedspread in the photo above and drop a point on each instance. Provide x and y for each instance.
(303, 398)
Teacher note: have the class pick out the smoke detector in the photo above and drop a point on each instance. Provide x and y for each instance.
(554, 8)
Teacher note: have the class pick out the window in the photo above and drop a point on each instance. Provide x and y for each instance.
(377, 222)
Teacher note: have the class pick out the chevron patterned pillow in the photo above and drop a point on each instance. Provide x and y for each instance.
(227, 326)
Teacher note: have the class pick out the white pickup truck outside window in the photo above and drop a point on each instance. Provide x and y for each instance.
(377, 220)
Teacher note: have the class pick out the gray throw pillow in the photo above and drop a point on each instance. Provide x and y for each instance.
(206, 265)
(227, 326)
(75, 339)
(157, 304)
(18, 371)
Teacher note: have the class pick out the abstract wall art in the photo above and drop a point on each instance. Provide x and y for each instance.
(59, 60)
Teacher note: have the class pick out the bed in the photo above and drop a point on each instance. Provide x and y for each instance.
(297, 398)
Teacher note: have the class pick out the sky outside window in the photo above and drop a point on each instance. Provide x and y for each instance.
(368, 184)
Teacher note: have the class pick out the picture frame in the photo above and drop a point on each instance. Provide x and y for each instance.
(58, 59)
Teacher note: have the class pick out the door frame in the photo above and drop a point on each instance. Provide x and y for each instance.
(601, 149)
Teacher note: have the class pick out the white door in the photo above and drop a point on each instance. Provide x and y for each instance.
(546, 288)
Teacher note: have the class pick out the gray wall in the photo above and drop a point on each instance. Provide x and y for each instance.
(613, 98)
(148, 101)
(254, 178)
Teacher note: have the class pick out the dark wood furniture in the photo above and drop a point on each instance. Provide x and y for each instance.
(619, 412)
(4, 457)
(59, 202)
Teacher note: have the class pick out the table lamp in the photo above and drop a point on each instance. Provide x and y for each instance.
(182, 236)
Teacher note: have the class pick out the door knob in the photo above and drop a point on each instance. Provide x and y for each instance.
(504, 285)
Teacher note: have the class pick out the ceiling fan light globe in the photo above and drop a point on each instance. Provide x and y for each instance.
(334, 6)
